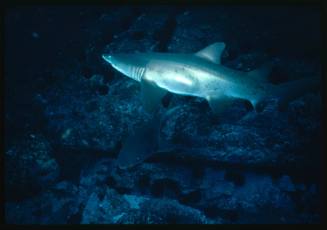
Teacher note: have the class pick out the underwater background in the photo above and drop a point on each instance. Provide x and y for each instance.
(67, 113)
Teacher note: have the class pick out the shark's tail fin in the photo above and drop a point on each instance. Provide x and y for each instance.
(288, 91)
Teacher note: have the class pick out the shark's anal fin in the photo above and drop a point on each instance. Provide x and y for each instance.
(212, 52)
(151, 95)
(218, 104)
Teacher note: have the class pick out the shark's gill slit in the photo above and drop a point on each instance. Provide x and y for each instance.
(137, 73)
(141, 73)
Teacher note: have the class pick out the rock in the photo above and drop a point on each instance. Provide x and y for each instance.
(243, 204)
(58, 205)
(103, 210)
(130, 209)
(212, 190)
(285, 184)
(156, 179)
(143, 35)
(201, 35)
(257, 139)
(90, 118)
(29, 167)
(152, 212)
(98, 175)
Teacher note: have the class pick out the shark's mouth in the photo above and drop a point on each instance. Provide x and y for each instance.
(132, 71)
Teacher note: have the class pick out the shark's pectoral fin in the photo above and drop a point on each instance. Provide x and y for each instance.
(140, 144)
(151, 95)
(218, 104)
(212, 52)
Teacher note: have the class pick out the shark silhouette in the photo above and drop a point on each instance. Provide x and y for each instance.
(201, 74)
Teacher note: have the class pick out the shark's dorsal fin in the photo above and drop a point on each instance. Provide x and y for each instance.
(212, 52)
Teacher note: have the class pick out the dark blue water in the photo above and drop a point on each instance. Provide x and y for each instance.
(68, 114)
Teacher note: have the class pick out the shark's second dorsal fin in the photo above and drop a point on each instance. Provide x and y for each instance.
(262, 73)
(212, 52)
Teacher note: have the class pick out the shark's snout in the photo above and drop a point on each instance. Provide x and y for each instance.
(130, 65)
(108, 57)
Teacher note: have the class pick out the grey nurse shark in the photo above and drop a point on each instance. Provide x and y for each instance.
(201, 74)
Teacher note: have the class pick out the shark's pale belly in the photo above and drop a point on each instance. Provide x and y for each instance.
(183, 79)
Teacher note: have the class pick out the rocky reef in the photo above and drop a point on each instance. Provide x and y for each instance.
(67, 113)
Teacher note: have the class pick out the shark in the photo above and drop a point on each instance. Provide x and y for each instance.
(200, 74)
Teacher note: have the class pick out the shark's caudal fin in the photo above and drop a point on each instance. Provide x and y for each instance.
(285, 92)
(288, 91)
